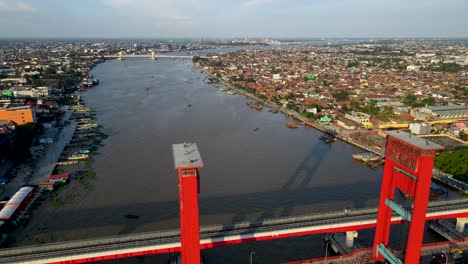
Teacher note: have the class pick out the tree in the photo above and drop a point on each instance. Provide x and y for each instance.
(411, 100)
(455, 163)
(37, 83)
(371, 108)
(22, 140)
(341, 95)
(50, 71)
(355, 106)
(292, 107)
(444, 67)
(386, 113)
(195, 59)
(309, 115)
(353, 64)
(428, 101)
(464, 136)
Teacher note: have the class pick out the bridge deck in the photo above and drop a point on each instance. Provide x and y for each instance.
(213, 236)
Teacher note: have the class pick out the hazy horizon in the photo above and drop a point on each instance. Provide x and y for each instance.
(210, 19)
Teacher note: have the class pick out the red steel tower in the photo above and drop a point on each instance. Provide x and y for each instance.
(187, 161)
(408, 167)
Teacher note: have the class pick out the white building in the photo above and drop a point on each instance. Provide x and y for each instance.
(420, 128)
(27, 91)
(413, 67)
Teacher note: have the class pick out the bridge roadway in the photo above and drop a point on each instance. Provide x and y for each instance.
(213, 236)
(149, 56)
(146, 56)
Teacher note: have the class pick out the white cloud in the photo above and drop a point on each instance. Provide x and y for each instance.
(162, 10)
(13, 5)
(22, 6)
(256, 2)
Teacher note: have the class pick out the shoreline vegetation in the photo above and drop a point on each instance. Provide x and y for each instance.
(454, 162)
(451, 162)
(249, 93)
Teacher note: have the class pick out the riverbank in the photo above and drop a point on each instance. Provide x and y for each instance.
(329, 129)
(75, 133)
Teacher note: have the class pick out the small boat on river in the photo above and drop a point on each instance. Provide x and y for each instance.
(366, 157)
(292, 124)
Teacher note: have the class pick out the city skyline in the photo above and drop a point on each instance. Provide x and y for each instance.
(228, 19)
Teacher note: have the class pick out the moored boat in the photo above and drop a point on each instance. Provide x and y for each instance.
(366, 156)
(78, 156)
(255, 106)
(292, 124)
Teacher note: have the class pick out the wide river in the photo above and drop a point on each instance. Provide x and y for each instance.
(255, 166)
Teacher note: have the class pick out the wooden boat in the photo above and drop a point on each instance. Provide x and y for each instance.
(292, 124)
(78, 156)
(255, 106)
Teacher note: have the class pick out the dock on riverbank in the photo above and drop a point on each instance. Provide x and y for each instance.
(46, 165)
(448, 180)
(314, 124)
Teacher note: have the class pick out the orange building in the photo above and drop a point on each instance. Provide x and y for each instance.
(20, 115)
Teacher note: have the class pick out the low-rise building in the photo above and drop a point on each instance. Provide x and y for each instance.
(360, 118)
(440, 112)
(420, 128)
(27, 91)
(20, 114)
(346, 123)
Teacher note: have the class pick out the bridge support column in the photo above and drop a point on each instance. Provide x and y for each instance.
(408, 167)
(350, 235)
(187, 161)
(461, 224)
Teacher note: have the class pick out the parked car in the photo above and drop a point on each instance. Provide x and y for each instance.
(457, 256)
(456, 250)
(439, 258)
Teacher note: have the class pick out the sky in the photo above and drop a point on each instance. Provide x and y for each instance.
(233, 18)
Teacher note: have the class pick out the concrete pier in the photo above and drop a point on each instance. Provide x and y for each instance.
(343, 243)
(448, 228)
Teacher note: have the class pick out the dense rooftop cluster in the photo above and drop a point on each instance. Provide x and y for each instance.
(383, 80)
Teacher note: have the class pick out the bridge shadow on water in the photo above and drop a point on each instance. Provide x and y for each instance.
(88, 222)
(77, 221)
(306, 169)
(295, 191)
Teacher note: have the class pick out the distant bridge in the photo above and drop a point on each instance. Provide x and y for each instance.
(132, 245)
(149, 56)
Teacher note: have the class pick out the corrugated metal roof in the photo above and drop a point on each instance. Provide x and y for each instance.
(20, 195)
(59, 176)
(448, 109)
(7, 212)
(18, 108)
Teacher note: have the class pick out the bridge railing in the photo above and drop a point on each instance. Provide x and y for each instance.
(206, 231)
